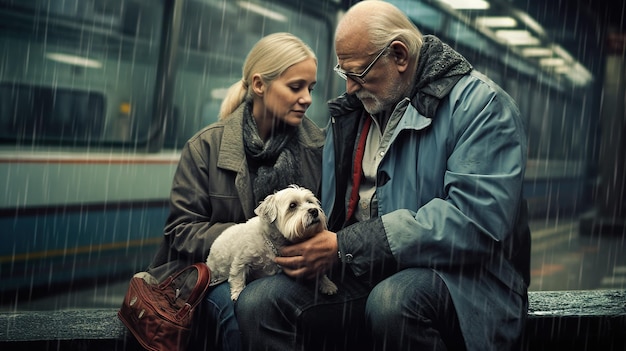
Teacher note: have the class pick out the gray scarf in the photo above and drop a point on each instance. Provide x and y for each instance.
(273, 164)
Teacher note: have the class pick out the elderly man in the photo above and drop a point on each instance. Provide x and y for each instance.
(428, 238)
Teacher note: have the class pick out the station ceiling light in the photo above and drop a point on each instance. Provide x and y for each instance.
(496, 21)
(552, 62)
(517, 37)
(466, 4)
(514, 28)
(537, 51)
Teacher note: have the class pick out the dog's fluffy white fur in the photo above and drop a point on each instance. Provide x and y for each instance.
(246, 251)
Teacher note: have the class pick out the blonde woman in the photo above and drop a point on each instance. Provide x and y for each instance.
(262, 142)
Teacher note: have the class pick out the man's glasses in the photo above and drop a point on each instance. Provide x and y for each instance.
(360, 77)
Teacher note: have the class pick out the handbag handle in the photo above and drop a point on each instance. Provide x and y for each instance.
(202, 284)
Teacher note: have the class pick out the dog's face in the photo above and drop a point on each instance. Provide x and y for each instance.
(295, 211)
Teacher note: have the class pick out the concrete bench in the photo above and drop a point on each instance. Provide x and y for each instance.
(82, 329)
(571, 320)
(576, 320)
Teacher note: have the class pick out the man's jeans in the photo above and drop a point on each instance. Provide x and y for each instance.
(411, 309)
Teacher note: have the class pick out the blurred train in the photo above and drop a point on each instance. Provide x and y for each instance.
(97, 97)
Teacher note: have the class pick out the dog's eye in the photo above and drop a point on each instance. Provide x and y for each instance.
(293, 205)
(313, 201)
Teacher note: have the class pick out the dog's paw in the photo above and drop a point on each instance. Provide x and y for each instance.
(147, 277)
(237, 284)
(234, 294)
(329, 289)
(327, 286)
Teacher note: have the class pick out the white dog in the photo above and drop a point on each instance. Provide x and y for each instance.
(246, 251)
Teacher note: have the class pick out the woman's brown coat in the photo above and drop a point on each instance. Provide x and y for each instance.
(212, 190)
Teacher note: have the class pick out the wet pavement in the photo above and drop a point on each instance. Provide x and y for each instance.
(563, 258)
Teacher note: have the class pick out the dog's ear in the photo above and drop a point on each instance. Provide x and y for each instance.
(267, 209)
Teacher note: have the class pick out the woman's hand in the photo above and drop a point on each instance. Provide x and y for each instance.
(310, 258)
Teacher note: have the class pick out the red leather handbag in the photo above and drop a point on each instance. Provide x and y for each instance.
(159, 315)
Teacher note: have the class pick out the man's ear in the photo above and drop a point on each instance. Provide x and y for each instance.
(258, 85)
(401, 55)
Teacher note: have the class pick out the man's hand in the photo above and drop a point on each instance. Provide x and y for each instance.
(309, 258)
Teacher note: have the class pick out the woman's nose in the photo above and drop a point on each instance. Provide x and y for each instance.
(306, 99)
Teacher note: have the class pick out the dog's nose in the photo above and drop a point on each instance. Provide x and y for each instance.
(313, 212)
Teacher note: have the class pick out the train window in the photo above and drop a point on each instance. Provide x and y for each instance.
(78, 71)
(29, 112)
(216, 37)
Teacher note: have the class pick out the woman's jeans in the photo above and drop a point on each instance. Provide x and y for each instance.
(411, 309)
(218, 329)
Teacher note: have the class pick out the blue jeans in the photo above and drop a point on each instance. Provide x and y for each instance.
(218, 326)
(409, 310)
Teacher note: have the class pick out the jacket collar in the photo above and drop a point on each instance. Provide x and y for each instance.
(439, 68)
(232, 154)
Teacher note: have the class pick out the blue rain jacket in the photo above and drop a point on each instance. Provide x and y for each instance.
(449, 191)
